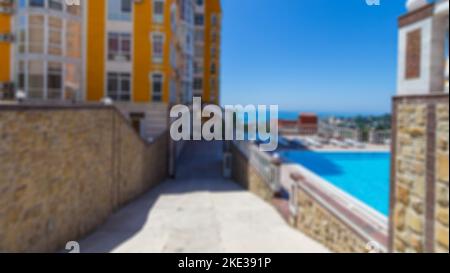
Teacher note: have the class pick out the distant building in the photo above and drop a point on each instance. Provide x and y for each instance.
(308, 124)
(305, 124)
(379, 136)
(288, 127)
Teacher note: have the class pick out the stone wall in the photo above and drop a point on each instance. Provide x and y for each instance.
(317, 222)
(248, 177)
(442, 179)
(419, 186)
(64, 170)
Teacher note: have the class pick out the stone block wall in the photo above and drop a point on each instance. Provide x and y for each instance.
(64, 170)
(248, 177)
(319, 223)
(442, 179)
(419, 186)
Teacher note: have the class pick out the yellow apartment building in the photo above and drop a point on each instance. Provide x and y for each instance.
(142, 54)
(208, 17)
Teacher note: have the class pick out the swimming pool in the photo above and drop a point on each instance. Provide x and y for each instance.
(364, 175)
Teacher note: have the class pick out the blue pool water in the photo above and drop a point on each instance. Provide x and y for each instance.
(363, 175)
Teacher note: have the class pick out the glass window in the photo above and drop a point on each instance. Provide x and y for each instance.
(21, 75)
(119, 47)
(213, 69)
(199, 51)
(157, 47)
(36, 80)
(37, 3)
(198, 83)
(119, 86)
(157, 87)
(54, 80)
(21, 34)
(158, 11)
(199, 19)
(214, 20)
(36, 33)
(199, 36)
(55, 4)
(73, 39)
(72, 84)
(198, 67)
(126, 6)
(55, 35)
(120, 10)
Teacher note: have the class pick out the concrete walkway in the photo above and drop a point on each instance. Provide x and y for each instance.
(198, 212)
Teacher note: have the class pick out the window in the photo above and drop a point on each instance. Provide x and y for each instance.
(158, 11)
(73, 39)
(199, 51)
(173, 55)
(37, 3)
(214, 20)
(72, 82)
(198, 83)
(413, 54)
(157, 87)
(214, 37)
(199, 20)
(198, 67)
(173, 91)
(213, 52)
(36, 80)
(21, 75)
(55, 35)
(157, 47)
(173, 17)
(125, 6)
(199, 2)
(119, 47)
(36, 33)
(21, 34)
(55, 4)
(54, 80)
(119, 86)
(213, 69)
(213, 90)
(199, 36)
(120, 10)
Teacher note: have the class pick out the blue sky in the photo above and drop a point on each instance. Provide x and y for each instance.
(310, 55)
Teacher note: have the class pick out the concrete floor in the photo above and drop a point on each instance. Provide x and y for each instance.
(198, 212)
